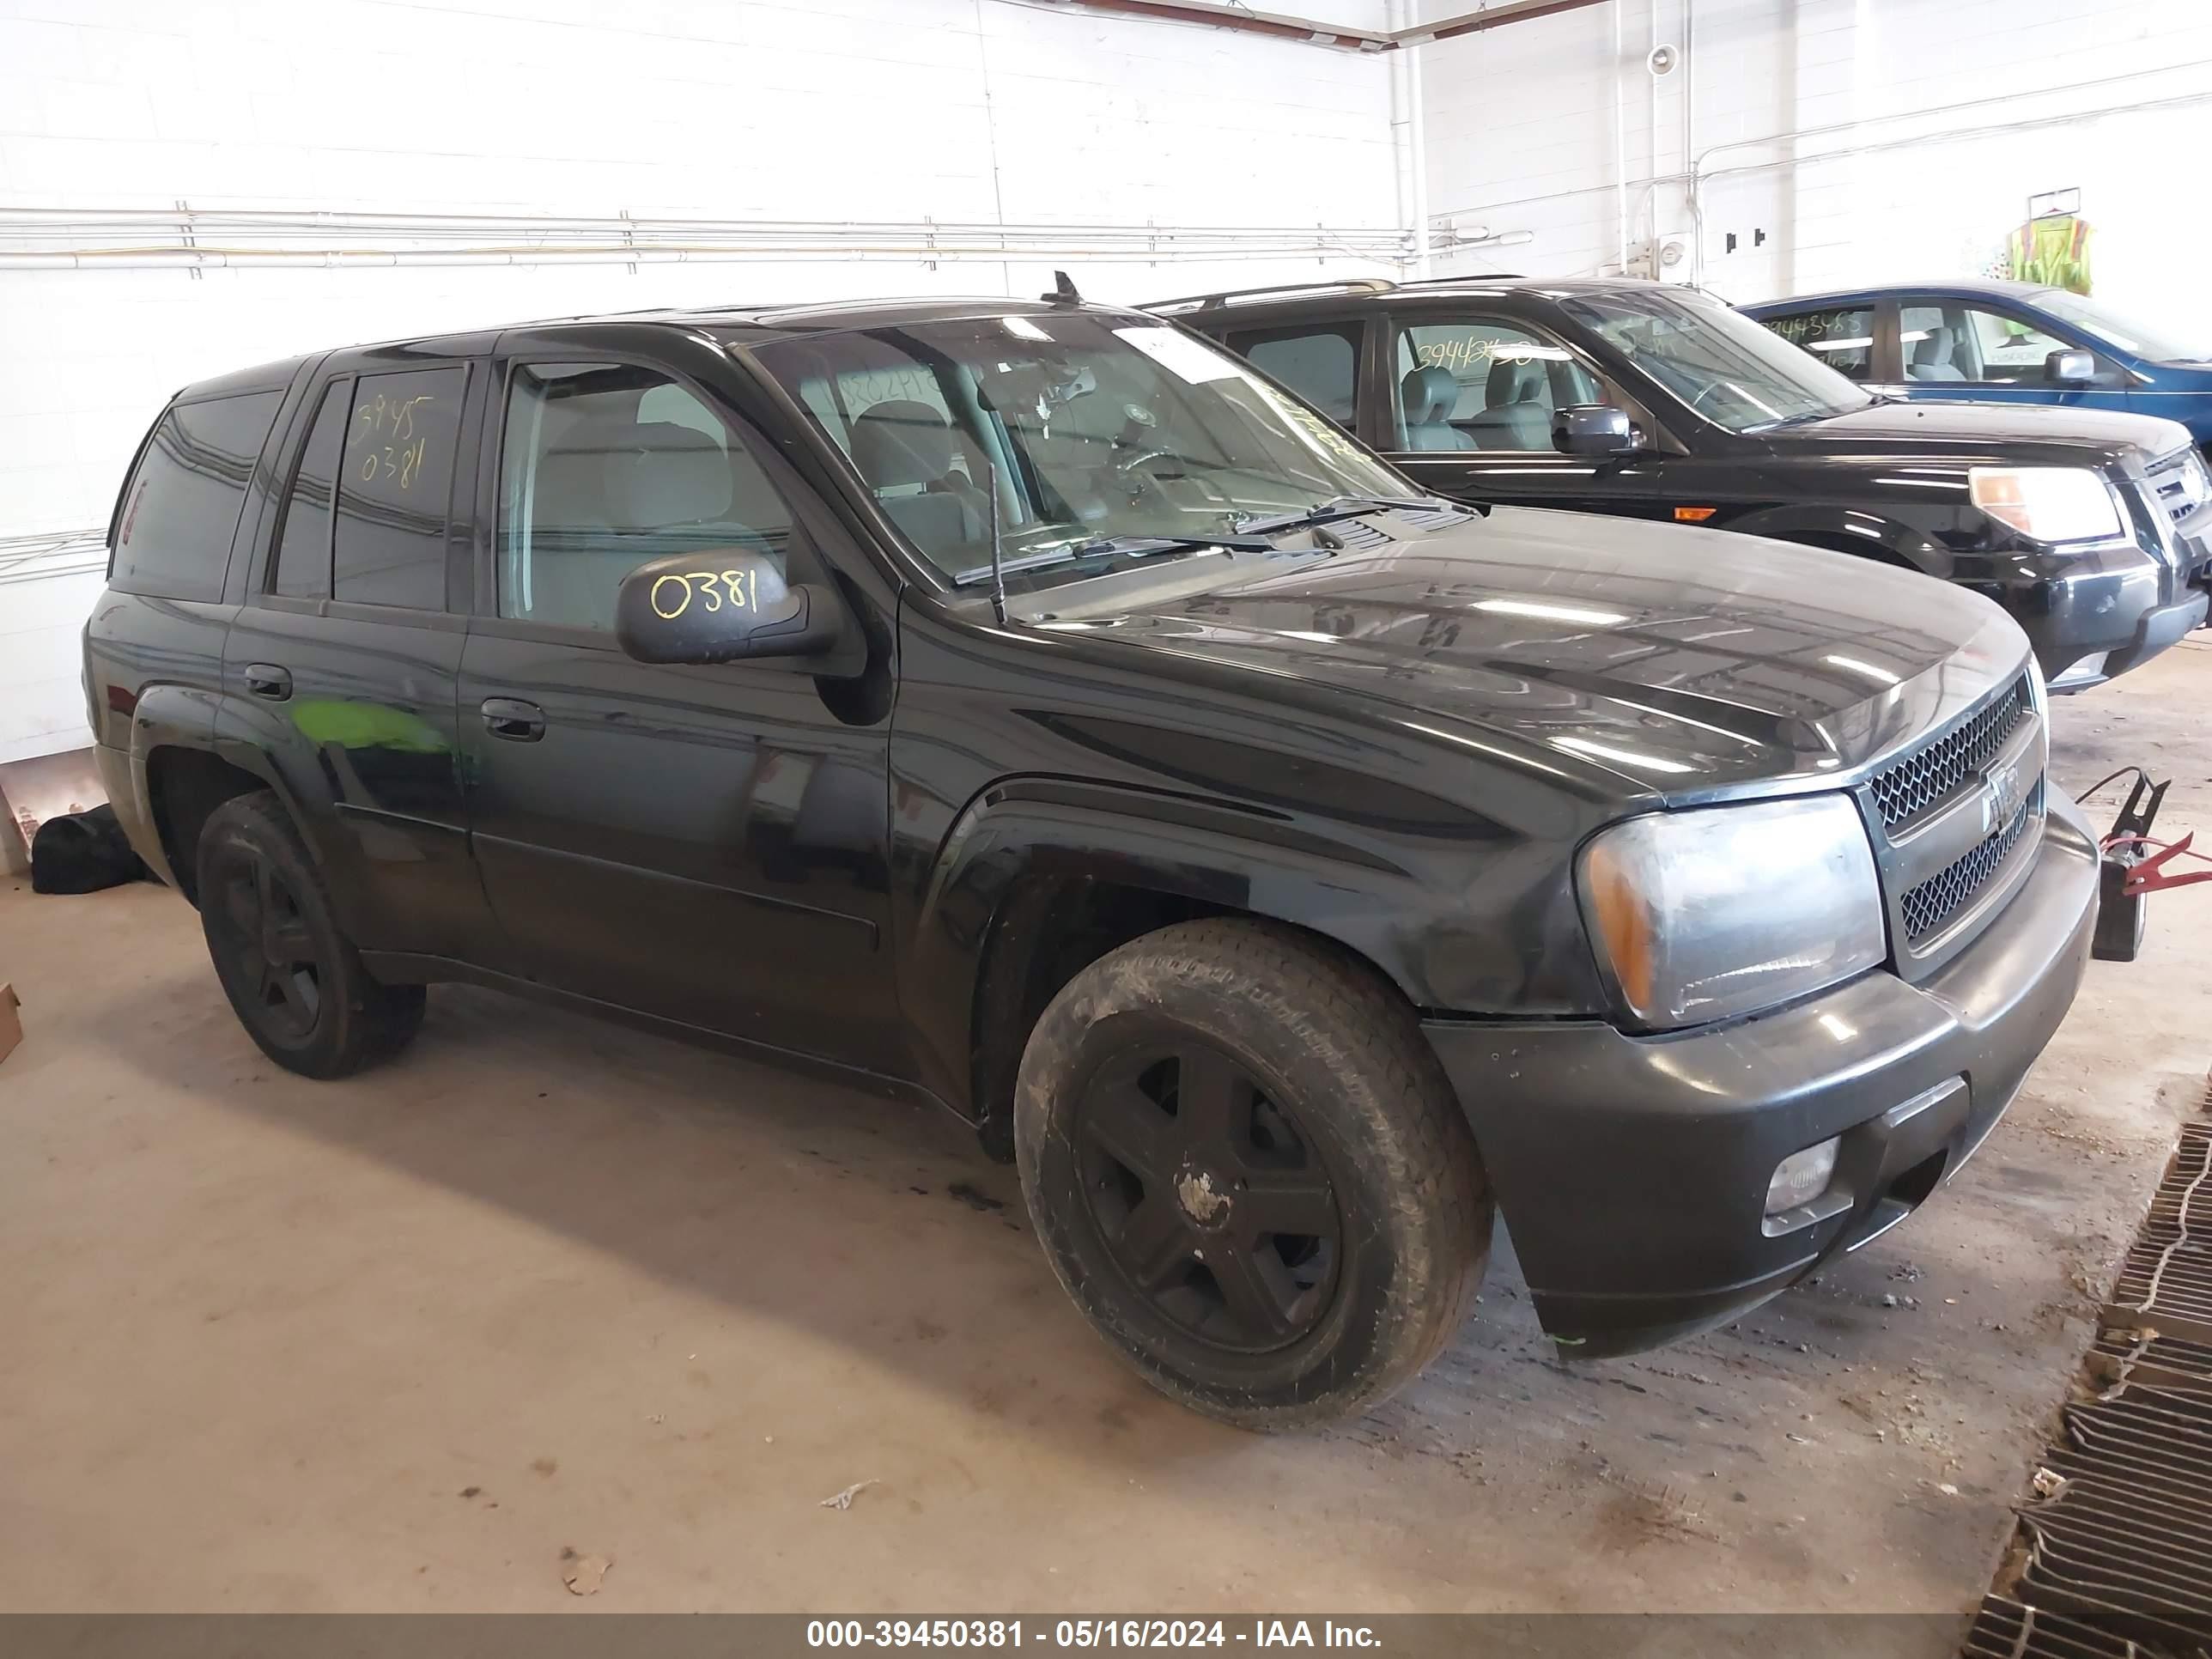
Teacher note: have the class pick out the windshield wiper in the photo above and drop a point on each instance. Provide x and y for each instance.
(1346, 506)
(1129, 547)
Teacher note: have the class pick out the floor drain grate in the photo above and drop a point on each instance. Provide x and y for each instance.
(2165, 1283)
(2114, 1555)
(2164, 1361)
(2006, 1629)
(2125, 1536)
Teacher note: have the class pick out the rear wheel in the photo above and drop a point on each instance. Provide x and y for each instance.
(1249, 1170)
(295, 981)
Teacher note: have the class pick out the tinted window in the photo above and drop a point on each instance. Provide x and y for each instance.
(1322, 365)
(1484, 383)
(180, 508)
(1842, 339)
(606, 466)
(395, 488)
(303, 547)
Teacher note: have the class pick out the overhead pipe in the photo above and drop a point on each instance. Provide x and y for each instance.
(1315, 31)
(36, 239)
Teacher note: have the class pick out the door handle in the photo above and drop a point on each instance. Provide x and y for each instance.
(265, 679)
(514, 720)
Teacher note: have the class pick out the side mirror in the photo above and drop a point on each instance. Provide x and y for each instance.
(722, 605)
(1592, 429)
(2069, 365)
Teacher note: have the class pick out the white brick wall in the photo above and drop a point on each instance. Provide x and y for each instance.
(1530, 111)
(896, 110)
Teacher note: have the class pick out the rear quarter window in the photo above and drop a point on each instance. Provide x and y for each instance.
(179, 510)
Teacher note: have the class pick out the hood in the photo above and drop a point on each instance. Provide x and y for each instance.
(1645, 659)
(1992, 433)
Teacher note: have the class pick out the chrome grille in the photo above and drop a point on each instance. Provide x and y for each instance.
(1952, 889)
(2180, 483)
(1935, 772)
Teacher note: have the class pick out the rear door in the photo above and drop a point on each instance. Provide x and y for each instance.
(702, 844)
(343, 663)
(1320, 362)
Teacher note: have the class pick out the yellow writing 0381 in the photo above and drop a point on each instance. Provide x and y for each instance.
(399, 455)
(738, 589)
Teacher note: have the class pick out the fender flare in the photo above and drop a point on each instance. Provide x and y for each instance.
(207, 722)
(1846, 530)
(1213, 856)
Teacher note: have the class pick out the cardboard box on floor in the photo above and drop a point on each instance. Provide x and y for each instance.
(11, 1022)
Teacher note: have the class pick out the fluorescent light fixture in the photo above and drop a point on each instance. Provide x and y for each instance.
(1565, 613)
(1841, 345)
(1023, 328)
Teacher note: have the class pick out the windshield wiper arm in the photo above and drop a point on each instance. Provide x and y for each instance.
(1131, 547)
(1344, 506)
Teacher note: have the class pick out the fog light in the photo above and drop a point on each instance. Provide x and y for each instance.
(1802, 1177)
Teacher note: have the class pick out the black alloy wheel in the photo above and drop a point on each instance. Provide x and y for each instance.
(1207, 1196)
(273, 947)
(1245, 1166)
(295, 979)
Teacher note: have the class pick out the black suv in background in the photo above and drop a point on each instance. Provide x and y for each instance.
(2093, 529)
(1028, 707)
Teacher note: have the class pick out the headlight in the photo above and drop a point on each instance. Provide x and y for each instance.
(1704, 915)
(2049, 503)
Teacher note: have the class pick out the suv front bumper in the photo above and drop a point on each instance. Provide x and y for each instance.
(1632, 1171)
(2097, 615)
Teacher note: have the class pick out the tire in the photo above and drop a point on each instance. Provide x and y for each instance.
(294, 980)
(1183, 1092)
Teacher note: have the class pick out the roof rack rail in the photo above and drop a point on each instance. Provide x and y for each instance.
(1241, 296)
(1478, 276)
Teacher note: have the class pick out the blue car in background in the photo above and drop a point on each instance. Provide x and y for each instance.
(2010, 343)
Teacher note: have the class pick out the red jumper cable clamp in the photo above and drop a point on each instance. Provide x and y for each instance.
(2132, 867)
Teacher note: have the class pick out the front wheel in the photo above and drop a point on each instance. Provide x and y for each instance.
(295, 981)
(1249, 1170)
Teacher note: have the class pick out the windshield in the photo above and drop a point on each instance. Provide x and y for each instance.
(1726, 367)
(1101, 430)
(2117, 329)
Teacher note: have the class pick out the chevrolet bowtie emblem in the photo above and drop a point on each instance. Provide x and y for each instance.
(2006, 794)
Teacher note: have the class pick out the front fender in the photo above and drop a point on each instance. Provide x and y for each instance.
(1460, 946)
(1848, 529)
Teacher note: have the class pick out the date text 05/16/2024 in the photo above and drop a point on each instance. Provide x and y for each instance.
(1086, 1633)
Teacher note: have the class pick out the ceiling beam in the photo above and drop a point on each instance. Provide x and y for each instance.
(1309, 31)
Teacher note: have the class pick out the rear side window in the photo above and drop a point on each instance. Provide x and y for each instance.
(180, 508)
(1321, 364)
(395, 488)
(1842, 339)
(303, 546)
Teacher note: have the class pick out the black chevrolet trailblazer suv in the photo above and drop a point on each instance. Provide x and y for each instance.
(1028, 706)
(2093, 529)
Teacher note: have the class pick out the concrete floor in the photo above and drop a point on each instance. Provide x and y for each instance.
(544, 1286)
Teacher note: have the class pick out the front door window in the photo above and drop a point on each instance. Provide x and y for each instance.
(1949, 344)
(1483, 384)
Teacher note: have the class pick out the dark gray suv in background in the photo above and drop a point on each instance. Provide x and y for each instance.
(2093, 529)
